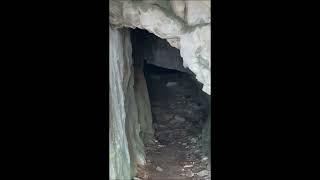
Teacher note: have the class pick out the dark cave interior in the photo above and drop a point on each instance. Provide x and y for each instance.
(180, 109)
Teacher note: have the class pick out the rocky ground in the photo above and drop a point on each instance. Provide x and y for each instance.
(178, 114)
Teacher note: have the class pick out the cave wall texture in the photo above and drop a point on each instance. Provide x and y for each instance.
(119, 158)
(185, 25)
(129, 109)
(190, 34)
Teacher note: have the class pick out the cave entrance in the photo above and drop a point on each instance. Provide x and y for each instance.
(180, 112)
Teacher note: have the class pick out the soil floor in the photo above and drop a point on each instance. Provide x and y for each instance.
(178, 114)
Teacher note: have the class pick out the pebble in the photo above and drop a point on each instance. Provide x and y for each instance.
(203, 173)
(193, 140)
(167, 116)
(159, 169)
(184, 144)
(204, 158)
(189, 174)
(174, 121)
(179, 118)
(170, 84)
(189, 112)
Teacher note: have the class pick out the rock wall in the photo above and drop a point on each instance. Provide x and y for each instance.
(119, 158)
(129, 109)
(186, 25)
(143, 102)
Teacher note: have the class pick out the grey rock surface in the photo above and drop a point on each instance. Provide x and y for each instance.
(119, 158)
(129, 108)
(198, 12)
(164, 21)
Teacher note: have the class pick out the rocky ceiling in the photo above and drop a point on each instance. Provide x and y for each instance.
(186, 25)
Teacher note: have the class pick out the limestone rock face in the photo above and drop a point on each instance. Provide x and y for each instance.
(119, 158)
(115, 13)
(198, 12)
(196, 52)
(126, 109)
(179, 8)
(190, 34)
(161, 3)
(146, 15)
(174, 42)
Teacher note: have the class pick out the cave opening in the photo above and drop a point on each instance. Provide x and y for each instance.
(177, 134)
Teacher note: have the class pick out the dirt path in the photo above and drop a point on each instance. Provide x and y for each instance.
(177, 113)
